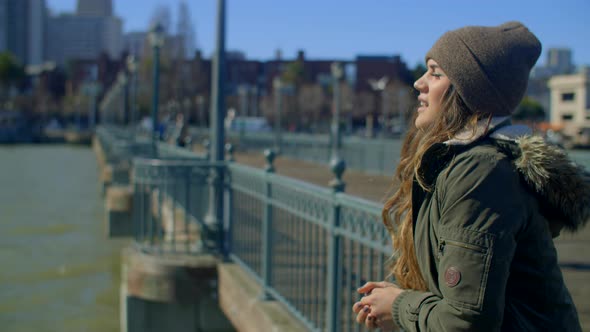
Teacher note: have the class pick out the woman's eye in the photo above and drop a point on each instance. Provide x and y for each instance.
(436, 75)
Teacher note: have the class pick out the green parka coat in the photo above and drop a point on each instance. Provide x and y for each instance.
(483, 235)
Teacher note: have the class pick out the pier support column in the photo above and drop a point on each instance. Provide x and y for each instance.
(119, 208)
(170, 293)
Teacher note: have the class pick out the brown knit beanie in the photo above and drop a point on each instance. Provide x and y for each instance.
(489, 66)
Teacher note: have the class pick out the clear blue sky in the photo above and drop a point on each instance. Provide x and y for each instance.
(345, 28)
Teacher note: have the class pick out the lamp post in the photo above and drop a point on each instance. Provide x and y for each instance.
(123, 84)
(337, 74)
(253, 100)
(91, 89)
(243, 92)
(156, 37)
(277, 85)
(201, 110)
(215, 230)
(379, 87)
(132, 68)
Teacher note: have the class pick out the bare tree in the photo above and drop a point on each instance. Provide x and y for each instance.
(310, 102)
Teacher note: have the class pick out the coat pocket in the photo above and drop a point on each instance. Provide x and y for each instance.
(464, 262)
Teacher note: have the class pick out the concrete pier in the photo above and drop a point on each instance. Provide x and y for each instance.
(170, 293)
(119, 208)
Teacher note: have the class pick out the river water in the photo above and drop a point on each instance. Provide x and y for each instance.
(58, 270)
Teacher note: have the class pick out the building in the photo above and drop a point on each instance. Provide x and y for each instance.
(558, 61)
(135, 43)
(94, 8)
(376, 67)
(83, 37)
(37, 30)
(91, 31)
(570, 102)
(22, 29)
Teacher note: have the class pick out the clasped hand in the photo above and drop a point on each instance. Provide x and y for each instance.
(374, 308)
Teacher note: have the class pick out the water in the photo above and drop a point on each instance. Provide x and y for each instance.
(58, 271)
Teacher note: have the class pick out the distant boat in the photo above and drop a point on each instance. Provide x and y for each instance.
(13, 128)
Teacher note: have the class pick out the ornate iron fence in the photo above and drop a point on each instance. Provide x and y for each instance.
(377, 156)
(170, 204)
(309, 247)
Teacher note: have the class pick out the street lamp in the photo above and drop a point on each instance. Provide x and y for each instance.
(201, 110)
(214, 223)
(277, 85)
(379, 87)
(243, 91)
(156, 38)
(122, 82)
(337, 74)
(132, 68)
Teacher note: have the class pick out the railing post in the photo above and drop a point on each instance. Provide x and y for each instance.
(207, 147)
(334, 252)
(266, 267)
(229, 197)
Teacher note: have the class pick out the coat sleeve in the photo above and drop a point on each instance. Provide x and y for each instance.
(482, 209)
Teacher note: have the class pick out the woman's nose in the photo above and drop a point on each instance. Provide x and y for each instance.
(419, 84)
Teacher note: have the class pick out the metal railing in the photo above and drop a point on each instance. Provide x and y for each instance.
(309, 247)
(377, 156)
(170, 204)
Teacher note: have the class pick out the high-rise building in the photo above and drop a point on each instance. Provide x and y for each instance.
(560, 59)
(135, 43)
(22, 29)
(94, 8)
(83, 37)
(37, 31)
(92, 30)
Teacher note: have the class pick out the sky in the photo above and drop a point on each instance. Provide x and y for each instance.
(343, 29)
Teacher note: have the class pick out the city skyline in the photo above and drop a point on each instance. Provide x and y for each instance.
(345, 29)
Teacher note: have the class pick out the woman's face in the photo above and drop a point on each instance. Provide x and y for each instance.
(432, 87)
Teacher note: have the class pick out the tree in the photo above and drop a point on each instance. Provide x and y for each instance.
(310, 100)
(529, 110)
(12, 73)
(294, 73)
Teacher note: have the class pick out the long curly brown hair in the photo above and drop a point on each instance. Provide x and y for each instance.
(454, 116)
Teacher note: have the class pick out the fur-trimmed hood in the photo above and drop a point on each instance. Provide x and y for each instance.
(561, 186)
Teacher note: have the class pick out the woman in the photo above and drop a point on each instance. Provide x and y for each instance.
(478, 203)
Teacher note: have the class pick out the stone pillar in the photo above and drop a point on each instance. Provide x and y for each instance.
(170, 293)
(119, 208)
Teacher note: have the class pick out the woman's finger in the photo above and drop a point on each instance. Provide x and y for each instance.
(362, 315)
(371, 322)
(356, 308)
(369, 286)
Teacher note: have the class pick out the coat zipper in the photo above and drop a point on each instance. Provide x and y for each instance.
(468, 246)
